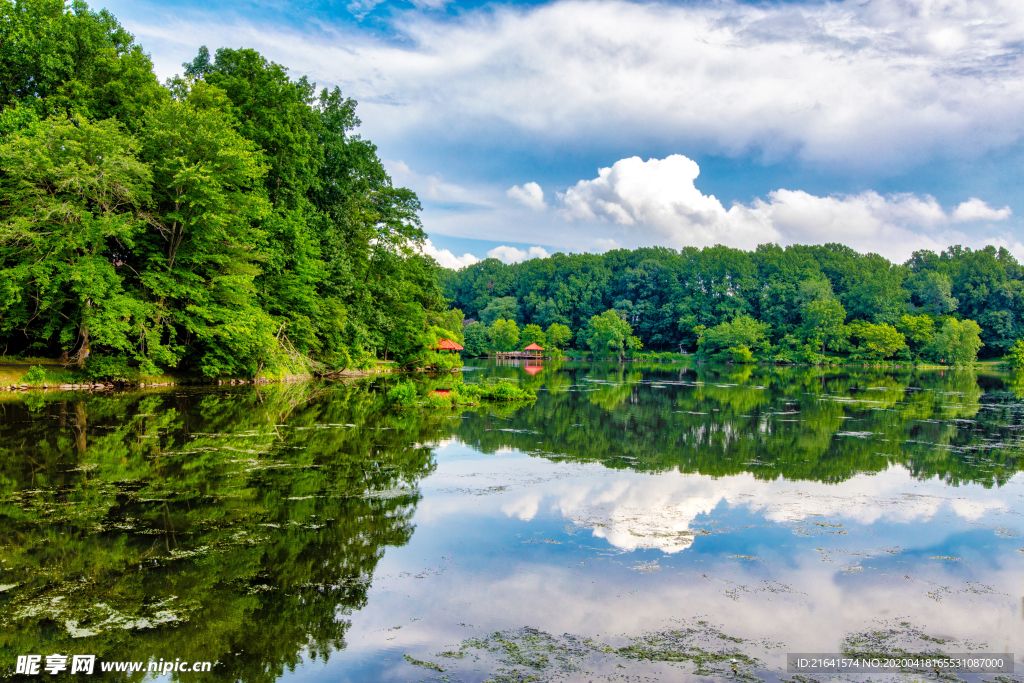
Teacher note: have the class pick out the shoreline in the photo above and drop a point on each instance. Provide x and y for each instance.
(18, 386)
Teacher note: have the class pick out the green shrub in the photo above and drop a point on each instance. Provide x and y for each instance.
(504, 390)
(35, 376)
(1015, 357)
(438, 400)
(741, 354)
(110, 369)
(403, 394)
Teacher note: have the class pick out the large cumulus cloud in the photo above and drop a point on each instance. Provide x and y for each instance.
(656, 201)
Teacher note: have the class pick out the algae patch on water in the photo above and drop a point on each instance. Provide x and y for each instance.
(529, 654)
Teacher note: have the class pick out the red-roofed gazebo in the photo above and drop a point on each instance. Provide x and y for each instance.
(446, 345)
(535, 350)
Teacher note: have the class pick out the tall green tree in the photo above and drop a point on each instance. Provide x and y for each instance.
(609, 335)
(877, 341)
(533, 334)
(957, 342)
(64, 60)
(823, 323)
(558, 335)
(502, 308)
(73, 208)
(476, 339)
(504, 334)
(201, 252)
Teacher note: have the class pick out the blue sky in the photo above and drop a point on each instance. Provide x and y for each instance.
(584, 125)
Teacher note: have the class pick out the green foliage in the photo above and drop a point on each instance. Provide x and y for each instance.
(69, 61)
(1016, 355)
(110, 369)
(558, 335)
(229, 224)
(72, 192)
(533, 334)
(743, 331)
(403, 394)
(919, 331)
(476, 340)
(876, 342)
(958, 342)
(35, 376)
(933, 290)
(823, 324)
(449, 321)
(504, 334)
(670, 297)
(741, 354)
(502, 308)
(609, 335)
(814, 290)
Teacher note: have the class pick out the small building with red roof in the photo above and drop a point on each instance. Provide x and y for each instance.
(446, 345)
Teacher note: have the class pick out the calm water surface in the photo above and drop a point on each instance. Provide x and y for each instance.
(638, 522)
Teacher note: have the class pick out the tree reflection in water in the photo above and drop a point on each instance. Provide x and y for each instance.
(243, 525)
(238, 526)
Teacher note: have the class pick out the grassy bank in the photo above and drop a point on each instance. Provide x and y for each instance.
(42, 373)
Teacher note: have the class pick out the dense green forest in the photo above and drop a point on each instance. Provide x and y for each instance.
(793, 304)
(226, 222)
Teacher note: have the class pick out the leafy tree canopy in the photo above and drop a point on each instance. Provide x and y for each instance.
(230, 222)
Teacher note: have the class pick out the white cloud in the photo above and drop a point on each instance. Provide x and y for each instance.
(659, 194)
(976, 210)
(862, 83)
(867, 89)
(529, 195)
(658, 202)
(514, 255)
(432, 187)
(446, 258)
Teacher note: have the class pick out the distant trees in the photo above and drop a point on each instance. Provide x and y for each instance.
(809, 296)
(609, 335)
(958, 342)
(877, 341)
(504, 334)
(504, 308)
(533, 334)
(558, 335)
(477, 339)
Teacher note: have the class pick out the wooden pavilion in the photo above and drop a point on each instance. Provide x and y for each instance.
(534, 351)
(446, 345)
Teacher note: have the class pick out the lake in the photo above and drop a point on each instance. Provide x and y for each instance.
(637, 522)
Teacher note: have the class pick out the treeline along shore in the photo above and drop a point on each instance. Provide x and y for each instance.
(230, 223)
(799, 304)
